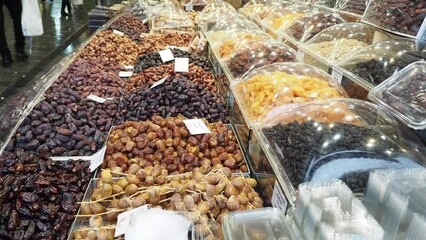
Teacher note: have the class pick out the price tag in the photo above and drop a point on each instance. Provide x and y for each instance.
(189, 7)
(125, 74)
(301, 54)
(118, 32)
(129, 67)
(159, 82)
(278, 199)
(125, 219)
(337, 74)
(96, 98)
(421, 37)
(143, 35)
(181, 64)
(166, 55)
(97, 159)
(196, 126)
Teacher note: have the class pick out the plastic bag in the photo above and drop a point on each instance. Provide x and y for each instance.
(31, 18)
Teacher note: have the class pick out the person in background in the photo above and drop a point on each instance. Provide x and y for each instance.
(15, 10)
(68, 5)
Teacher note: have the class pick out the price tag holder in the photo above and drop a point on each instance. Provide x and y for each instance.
(337, 74)
(278, 199)
(125, 74)
(166, 55)
(181, 64)
(129, 67)
(189, 7)
(196, 126)
(125, 219)
(97, 159)
(118, 32)
(96, 98)
(159, 82)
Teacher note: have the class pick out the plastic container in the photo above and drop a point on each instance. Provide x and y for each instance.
(283, 18)
(335, 139)
(306, 27)
(280, 84)
(263, 223)
(338, 42)
(207, 21)
(263, 11)
(255, 54)
(402, 17)
(323, 3)
(251, 7)
(376, 63)
(352, 6)
(170, 19)
(237, 38)
(404, 94)
(227, 24)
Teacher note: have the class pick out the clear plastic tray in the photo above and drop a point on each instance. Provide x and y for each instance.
(338, 42)
(324, 3)
(263, 223)
(306, 27)
(262, 12)
(255, 54)
(404, 94)
(207, 21)
(251, 6)
(171, 19)
(336, 139)
(352, 6)
(285, 17)
(273, 86)
(230, 23)
(404, 17)
(376, 63)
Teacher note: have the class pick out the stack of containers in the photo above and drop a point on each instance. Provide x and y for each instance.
(395, 198)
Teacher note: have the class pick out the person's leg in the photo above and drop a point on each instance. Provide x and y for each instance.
(68, 6)
(4, 50)
(15, 9)
(63, 8)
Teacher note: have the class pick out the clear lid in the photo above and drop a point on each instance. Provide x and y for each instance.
(338, 42)
(261, 12)
(282, 18)
(308, 26)
(325, 3)
(231, 22)
(251, 7)
(405, 95)
(337, 139)
(207, 21)
(171, 18)
(352, 6)
(376, 63)
(255, 54)
(196, 2)
(263, 223)
(279, 84)
(213, 5)
(237, 38)
(397, 16)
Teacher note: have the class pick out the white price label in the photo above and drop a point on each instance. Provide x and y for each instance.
(159, 82)
(118, 32)
(337, 74)
(129, 67)
(125, 74)
(421, 37)
(189, 7)
(181, 64)
(166, 55)
(96, 98)
(125, 219)
(196, 126)
(301, 54)
(278, 199)
(97, 159)
(143, 35)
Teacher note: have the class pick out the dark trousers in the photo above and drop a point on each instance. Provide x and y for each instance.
(67, 4)
(15, 10)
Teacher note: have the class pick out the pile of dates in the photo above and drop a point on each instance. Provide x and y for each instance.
(130, 25)
(154, 60)
(168, 143)
(63, 124)
(111, 49)
(177, 95)
(90, 77)
(146, 78)
(38, 196)
(157, 42)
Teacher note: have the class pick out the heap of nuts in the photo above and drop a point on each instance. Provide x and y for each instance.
(63, 124)
(205, 197)
(39, 196)
(176, 96)
(111, 49)
(154, 60)
(157, 42)
(168, 143)
(130, 25)
(195, 74)
(90, 77)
